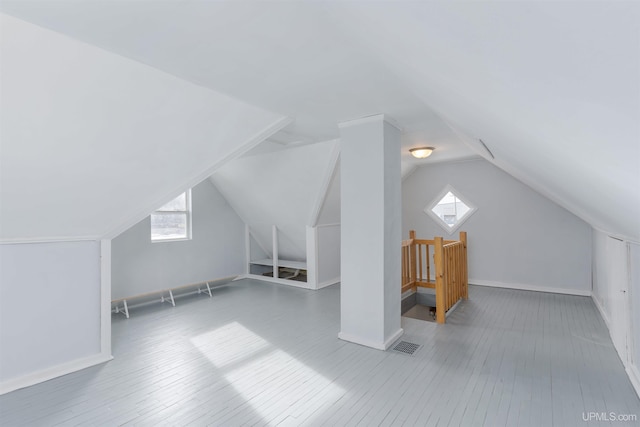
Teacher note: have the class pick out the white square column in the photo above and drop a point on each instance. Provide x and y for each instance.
(371, 215)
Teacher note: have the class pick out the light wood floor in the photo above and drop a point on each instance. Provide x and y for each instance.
(265, 354)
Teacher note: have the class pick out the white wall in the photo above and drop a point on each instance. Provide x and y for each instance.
(517, 237)
(215, 251)
(370, 232)
(600, 273)
(49, 310)
(328, 252)
(91, 143)
(634, 295)
(97, 141)
(280, 188)
(330, 212)
(616, 293)
(553, 119)
(327, 234)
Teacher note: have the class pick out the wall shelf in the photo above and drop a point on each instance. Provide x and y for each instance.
(321, 268)
(298, 265)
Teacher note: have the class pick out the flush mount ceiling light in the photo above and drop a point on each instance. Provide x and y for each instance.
(421, 152)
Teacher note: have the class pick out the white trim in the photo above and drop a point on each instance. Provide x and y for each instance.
(468, 141)
(369, 343)
(449, 188)
(294, 283)
(409, 172)
(453, 308)
(28, 240)
(172, 239)
(328, 282)
(535, 288)
(602, 311)
(325, 185)
(247, 249)
(287, 282)
(105, 298)
(274, 243)
(408, 293)
(312, 257)
(634, 376)
(393, 338)
(335, 224)
(188, 213)
(369, 119)
(622, 237)
(258, 242)
(287, 263)
(435, 161)
(53, 372)
(531, 182)
(123, 224)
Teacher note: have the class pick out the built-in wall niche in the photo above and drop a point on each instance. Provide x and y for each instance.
(450, 209)
(266, 260)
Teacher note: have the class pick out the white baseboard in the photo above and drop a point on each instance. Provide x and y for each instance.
(630, 369)
(294, 283)
(287, 282)
(328, 283)
(603, 313)
(53, 372)
(634, 376)
(393, 338)
(535, 288)
(373, 344)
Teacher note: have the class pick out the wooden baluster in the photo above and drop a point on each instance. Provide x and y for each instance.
(404, 265)
(448, 276)
(465, 272)
(449, 282)
(458, 273)
(440, 288)
(420, 276)
(408, 264)
(412, 260)
(428, 265)
(459, 262)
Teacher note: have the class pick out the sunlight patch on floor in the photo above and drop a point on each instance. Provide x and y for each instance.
(270, 380)
(229, 344)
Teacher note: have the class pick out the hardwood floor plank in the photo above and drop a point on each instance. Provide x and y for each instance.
(264, 354)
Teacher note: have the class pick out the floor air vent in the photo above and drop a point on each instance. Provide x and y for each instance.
(406, 347)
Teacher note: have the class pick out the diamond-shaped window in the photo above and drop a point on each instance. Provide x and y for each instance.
(450, 209)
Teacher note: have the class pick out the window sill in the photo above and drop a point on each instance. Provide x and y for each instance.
(178, 239)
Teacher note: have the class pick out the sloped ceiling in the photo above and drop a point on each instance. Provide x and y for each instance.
(330, 210)
(92, 142)
(283, 188)
(552, 88)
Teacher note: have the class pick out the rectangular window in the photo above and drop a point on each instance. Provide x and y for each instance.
(173, 220)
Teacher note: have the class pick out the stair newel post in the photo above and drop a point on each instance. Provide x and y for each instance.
(440, 291)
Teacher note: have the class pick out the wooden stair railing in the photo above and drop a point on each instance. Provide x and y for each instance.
(450, 269)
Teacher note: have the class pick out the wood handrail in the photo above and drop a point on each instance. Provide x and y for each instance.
(450, 269)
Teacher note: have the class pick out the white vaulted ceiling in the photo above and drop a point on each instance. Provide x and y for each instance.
(285, 188)
(92, 142)
(552, 88)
